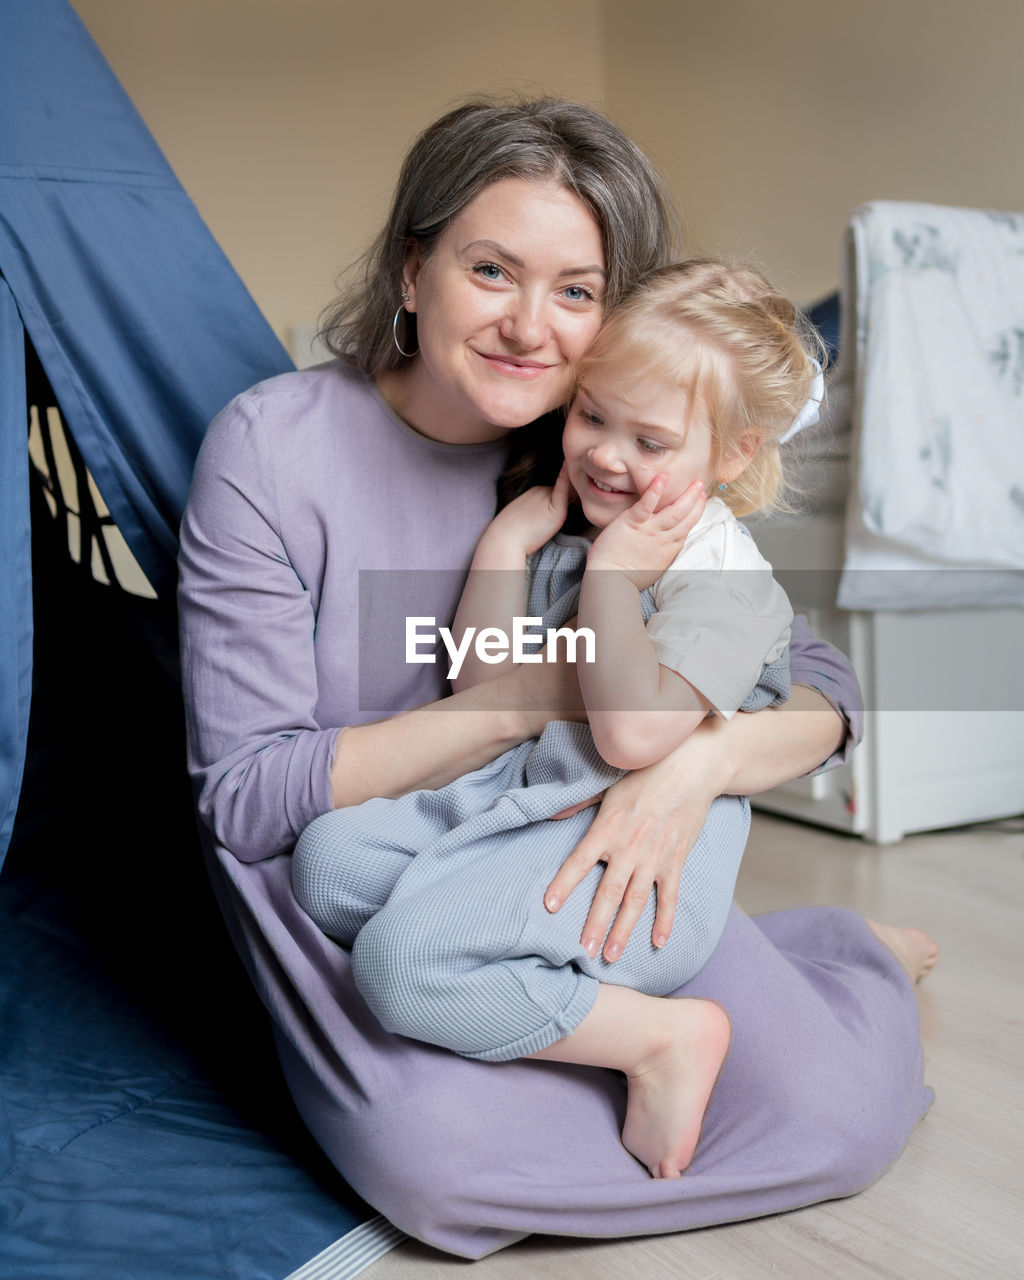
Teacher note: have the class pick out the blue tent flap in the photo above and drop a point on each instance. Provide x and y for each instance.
(147, 1133)
(142, 325)
(16, 580)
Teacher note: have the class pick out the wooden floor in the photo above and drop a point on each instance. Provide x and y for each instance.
(953, 1205)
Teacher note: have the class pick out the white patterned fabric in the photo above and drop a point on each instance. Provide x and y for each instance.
(935, 306)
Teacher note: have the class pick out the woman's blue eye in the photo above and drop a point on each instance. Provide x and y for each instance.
(577, 293)
(489, 270)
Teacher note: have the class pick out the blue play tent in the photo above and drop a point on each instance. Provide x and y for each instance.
(143, 1130)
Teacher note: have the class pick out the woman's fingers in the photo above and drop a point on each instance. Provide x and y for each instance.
(624, 887)
(573, 809)
(573, 871)
(627, 850)
(643, 832)
(668, 899)
(632, 899)
(632, 904)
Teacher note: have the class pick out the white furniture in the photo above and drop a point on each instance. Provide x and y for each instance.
(944, 733)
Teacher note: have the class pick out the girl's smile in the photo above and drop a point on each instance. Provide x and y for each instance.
(601, 487)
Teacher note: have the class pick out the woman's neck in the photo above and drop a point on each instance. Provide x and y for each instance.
(410, 398)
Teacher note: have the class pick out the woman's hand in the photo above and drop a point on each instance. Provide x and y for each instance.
(649, 821)
(643, 832)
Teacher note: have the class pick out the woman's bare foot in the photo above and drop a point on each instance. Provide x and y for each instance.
(671, 1086)
(913, 948)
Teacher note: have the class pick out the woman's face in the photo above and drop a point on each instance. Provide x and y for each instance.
(506, 303)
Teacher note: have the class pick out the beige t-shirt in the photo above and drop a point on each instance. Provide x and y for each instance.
(721, 614)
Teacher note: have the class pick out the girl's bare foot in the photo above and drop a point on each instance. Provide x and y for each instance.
(913, 948)
(671, 1086)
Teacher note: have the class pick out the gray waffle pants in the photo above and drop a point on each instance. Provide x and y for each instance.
(440, 896)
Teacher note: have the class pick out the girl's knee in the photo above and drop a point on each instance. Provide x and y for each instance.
(390, 970)
(334, 880)
(313, 868)
(416, 975)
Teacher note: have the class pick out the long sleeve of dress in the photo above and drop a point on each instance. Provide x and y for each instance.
(823, 667)
(258, 756)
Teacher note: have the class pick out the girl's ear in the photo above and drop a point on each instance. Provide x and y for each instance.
(739, 457)
(410, 274)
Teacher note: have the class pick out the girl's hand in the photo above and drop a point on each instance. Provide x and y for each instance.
(643, 832)
(642, 541)
(535, 516)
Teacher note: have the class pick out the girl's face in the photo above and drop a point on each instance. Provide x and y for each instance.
(619, 436)
(506, 303)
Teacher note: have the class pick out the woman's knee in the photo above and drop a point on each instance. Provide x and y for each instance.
(420, 1162)
(848, 1131)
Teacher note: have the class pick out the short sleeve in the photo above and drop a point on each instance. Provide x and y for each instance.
(721, 616)
(718, 630)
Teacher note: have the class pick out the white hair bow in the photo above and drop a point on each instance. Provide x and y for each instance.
(810, 413)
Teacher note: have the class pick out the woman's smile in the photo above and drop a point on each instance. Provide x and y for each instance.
(514, 367)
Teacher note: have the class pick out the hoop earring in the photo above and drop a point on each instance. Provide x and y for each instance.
(394, 330)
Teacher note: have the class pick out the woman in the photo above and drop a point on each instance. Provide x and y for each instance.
(514, 229)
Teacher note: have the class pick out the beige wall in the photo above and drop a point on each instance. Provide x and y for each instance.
(773, 121)
(286, 119)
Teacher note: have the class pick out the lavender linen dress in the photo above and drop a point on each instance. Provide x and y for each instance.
(315, 515)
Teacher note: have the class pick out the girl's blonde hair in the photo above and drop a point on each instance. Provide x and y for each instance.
(736, 345)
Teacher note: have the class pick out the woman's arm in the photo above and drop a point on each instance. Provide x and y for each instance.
(439, 742)
(648, 822)
(263, 763)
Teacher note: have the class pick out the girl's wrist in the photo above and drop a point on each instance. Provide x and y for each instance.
(709, 764)
(597, 571)
(499, 549)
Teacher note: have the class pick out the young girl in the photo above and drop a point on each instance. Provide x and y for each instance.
(689, 389)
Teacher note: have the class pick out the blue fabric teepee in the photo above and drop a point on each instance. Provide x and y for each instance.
(143, 331)
(140, 322)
